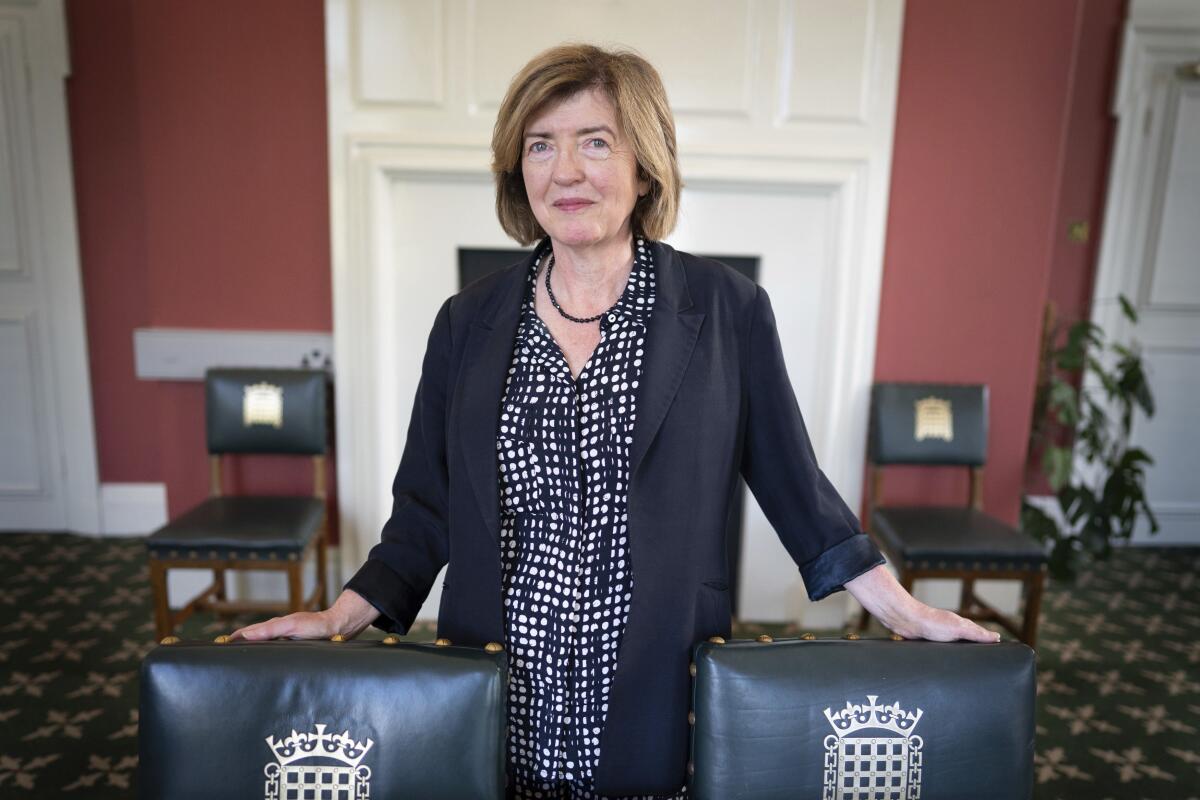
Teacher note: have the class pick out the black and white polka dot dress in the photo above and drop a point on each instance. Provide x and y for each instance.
(563, 454)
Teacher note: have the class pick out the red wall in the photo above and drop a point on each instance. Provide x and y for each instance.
(990, 155)
(202, 184)
(1090, 131)
(201, 179)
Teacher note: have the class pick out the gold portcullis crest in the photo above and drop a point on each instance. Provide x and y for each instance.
(934, 419)
(262, 404)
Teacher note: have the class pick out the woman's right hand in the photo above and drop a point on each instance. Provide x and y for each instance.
(349, 616)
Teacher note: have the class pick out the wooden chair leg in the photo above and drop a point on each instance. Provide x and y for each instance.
(967, 598)
(221, 594)
(162, 609)
(295, 573)
(1033, 608)
(322, 570)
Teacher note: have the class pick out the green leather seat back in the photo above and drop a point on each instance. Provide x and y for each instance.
(863, 719)
(928, 423)
(266, 411)
(358, 719)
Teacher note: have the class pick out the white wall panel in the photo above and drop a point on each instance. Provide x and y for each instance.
(21, 462)
(399, 57)
(707, 69)
(1172, 437)
(12, 232)
(1175, 271)
(826, 60)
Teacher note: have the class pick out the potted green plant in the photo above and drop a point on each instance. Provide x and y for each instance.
(1097, 478)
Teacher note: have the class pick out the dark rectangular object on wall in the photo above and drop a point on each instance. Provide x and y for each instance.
(879, 719)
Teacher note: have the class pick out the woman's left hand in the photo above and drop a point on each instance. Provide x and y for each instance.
(901, 613)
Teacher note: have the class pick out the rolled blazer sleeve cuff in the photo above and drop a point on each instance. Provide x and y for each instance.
(845, 561)
(376, 583)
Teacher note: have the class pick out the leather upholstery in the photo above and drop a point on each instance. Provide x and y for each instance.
(761, 728)
(954, 538)
(302, 424)
(434, 717)
(240, 527)
(893, 429)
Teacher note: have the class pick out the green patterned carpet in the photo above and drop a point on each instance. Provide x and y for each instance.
(1118, 704)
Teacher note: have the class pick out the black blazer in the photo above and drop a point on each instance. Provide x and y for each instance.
(714, 399)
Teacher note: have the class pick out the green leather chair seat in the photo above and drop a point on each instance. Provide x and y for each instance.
(954, 538)
(240, 527)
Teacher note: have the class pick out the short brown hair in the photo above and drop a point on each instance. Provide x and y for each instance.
(636, 91)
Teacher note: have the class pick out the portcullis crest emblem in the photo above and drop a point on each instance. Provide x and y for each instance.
(262, 404)
(933, 419)
(872, 754)
(318, 766)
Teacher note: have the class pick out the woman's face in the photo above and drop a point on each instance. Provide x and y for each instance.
(580, 173)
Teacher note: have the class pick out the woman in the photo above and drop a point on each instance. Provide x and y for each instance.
(577, 433)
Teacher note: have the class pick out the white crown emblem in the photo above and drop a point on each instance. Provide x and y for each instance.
(873, 752)
(346, 777)
(854, 717)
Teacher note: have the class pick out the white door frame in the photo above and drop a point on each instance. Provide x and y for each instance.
(54, 255)
(1159, 36)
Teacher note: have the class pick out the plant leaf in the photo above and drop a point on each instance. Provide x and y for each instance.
(1128, 308)
(1056, 461)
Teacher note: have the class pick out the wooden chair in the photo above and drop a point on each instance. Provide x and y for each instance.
(251, 411)
(939, 424)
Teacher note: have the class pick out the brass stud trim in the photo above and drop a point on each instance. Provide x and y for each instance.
(222, 639)
(390, 639)
(692, 669)
(716, 640)
(170, 640)
(441, 642)
(691, 718)
(337, 637)
(852, 636)
(691, 768)
(808, 637)
(493, 647)
(897, 637)
(765, 638)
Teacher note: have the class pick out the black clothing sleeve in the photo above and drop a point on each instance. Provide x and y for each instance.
(820, 533)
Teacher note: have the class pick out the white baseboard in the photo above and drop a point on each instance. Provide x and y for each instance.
(132, 509)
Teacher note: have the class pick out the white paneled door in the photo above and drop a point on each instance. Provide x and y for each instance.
(48, 475)
(1151, 250)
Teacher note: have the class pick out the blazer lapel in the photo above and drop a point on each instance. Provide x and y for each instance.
(670, 338)
(486, 359)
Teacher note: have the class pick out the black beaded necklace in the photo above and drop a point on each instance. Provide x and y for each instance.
(559, 309)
